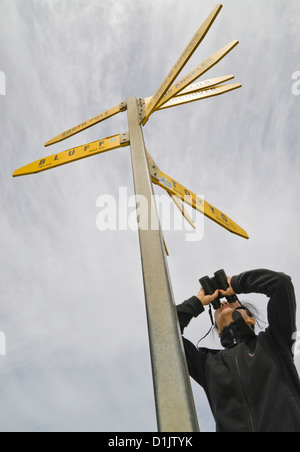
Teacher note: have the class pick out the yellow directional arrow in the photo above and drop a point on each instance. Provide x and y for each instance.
(181, 62)
(174, 188)
(89, 123)
(204, 94)
(200, 86)
(74, 154)
(197, 72)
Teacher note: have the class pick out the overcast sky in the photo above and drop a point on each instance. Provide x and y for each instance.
(72, 300)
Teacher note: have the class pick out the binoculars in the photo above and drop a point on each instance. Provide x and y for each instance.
(217, 282)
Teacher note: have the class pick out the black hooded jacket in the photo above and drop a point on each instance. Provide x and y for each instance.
(252, 385)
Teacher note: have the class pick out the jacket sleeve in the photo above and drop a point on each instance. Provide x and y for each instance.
(188, 310)
(196, 358)
(282, 305)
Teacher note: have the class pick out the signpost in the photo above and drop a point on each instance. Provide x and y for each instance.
(199, 86)
(173, 396)
(197, 72)
(198, 95)
(174, 188)
(74, 154)
(87, 124)
(181, 62)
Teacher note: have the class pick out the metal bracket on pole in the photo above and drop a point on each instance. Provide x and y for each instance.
(153, 168)
(125, 138)
(173, 394)
(141, 109)
(123, 106)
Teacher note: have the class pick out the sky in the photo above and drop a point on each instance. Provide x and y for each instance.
(71, 298)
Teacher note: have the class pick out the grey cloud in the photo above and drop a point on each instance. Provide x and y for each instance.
(72, 302)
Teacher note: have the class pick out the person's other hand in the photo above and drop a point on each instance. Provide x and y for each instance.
(229, 292)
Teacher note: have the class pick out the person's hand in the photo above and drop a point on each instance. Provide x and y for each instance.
(207, 299)
(229, 292)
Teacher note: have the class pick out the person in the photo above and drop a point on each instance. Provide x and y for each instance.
(252, 385)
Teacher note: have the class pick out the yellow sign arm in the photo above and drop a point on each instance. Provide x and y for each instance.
(174, 188)
(197, 72)
(203, 94)
(153, 168)
(87, 124)
(181, 62)
(200, 86)
(74, 154)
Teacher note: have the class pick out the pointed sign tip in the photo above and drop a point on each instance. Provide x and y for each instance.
(244, 235)
(53, 141)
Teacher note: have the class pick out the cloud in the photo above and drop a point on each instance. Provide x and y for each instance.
(72, 301)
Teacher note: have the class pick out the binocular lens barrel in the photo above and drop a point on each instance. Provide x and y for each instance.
(209, 286)
(222, 282)
(219, 281)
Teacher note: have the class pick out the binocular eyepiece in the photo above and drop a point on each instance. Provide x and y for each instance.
(217, 282)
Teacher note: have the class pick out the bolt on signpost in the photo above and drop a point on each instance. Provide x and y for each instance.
(173, 395)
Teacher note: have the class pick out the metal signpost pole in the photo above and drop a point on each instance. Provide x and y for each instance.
(173, 396)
